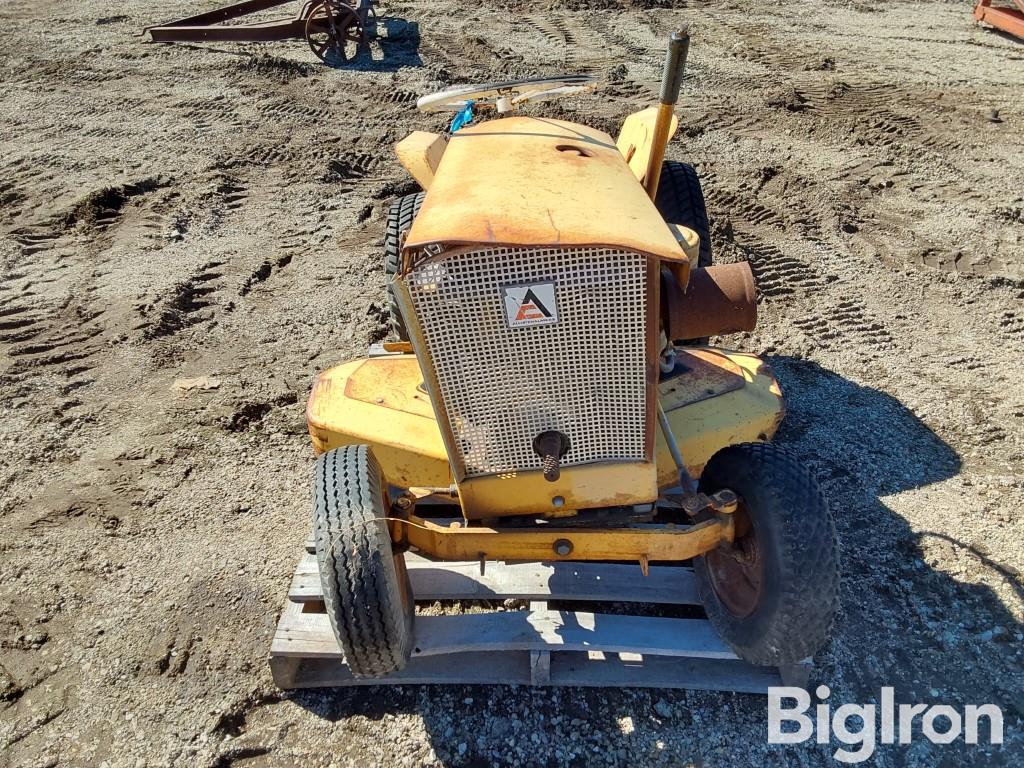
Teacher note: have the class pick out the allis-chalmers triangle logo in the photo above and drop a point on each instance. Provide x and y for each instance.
(532, 304)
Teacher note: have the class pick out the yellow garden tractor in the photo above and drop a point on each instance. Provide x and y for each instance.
(551, 395)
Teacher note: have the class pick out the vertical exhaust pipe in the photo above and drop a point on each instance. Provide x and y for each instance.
(671, 80)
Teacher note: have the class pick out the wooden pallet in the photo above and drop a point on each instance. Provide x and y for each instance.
(532, 647)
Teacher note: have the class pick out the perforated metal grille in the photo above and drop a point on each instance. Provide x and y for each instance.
(583, 375)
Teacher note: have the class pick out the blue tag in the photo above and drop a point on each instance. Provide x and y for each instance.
(465, 117)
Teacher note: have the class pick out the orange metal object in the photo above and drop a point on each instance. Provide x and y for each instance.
(636, 139)
(724, 398)
(379, 402)
(1007, 19)
(650, 542)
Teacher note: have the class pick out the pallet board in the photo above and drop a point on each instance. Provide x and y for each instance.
(539, 646)
(527, 581)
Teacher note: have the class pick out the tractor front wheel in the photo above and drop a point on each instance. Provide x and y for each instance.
(773, 593)
(365, 584)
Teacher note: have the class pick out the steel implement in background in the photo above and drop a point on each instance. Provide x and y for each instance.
(1007, 19)
(335, 30)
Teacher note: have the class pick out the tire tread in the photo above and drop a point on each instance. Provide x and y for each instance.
(802, 612)
(362, 595)
(400, 217)
(680, 200)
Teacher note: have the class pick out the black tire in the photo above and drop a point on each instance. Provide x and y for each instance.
(680, 200)
(400, 218)
(795, 553)
(365, 585)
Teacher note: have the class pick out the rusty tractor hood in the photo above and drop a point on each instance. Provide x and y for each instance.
(528, 181)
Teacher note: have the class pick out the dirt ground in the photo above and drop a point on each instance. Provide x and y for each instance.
(216, 211)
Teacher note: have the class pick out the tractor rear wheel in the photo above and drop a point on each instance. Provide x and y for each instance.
(365, 584)
(400, 218)
(680, 200)
(772, 595)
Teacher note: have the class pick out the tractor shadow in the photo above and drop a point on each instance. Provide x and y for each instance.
(917, 615)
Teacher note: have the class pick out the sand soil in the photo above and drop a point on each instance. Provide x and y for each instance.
(215, 212)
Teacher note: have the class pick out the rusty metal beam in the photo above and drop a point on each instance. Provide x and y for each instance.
(241, 33)
(202, 26)
(227, 12)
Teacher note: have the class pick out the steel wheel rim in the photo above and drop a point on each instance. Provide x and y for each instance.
(331, 26)
(736, 573)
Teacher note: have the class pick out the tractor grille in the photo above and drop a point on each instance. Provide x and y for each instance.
(507, 374)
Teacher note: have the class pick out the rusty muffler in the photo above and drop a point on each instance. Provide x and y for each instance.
(718, 300)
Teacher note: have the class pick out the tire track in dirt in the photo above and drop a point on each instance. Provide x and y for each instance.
(1011, 325)
(619, 46)
(572, 42)
(189, 303)
(287, 110)
(46, 345)
(27, 179)
(759, 44)
(400, 97)
(55, 330)
(835, 107)
(556, 34)
(783, 275)
(210, 115)
(902, 125)
(828, 319)
(484, 60)
(351, 169)
(875, 113)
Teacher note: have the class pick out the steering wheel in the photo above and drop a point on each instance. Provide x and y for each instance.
(505, 96)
